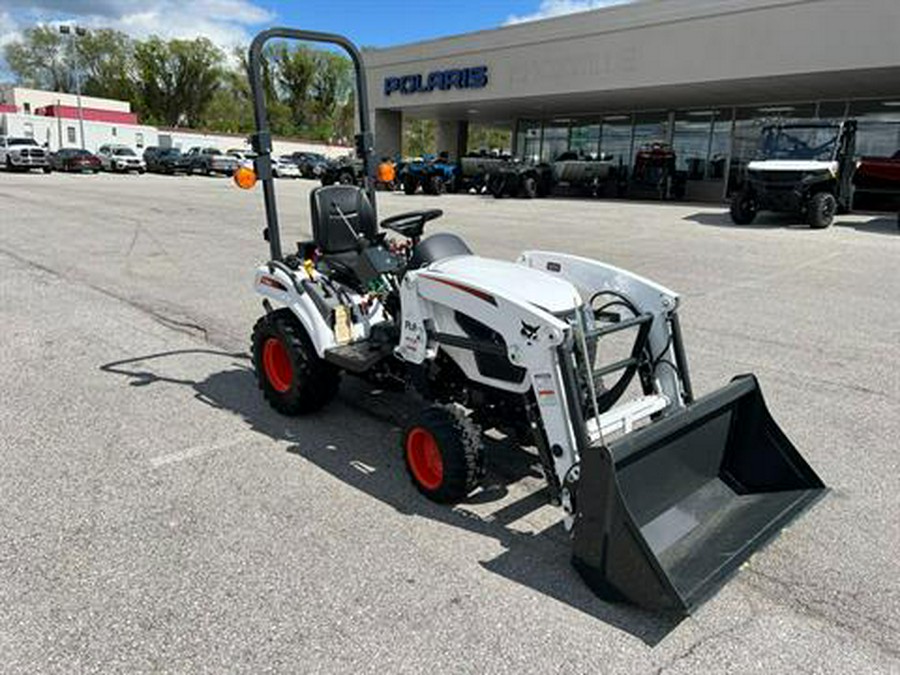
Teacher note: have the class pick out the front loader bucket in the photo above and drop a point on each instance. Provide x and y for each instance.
(666, 513)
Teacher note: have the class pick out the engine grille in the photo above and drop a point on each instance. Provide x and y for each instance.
(777, 177)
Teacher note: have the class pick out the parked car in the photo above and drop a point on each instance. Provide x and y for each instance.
(168, 161)
(211, 161)
(312, 164)
(22, 153)
(120, 158)
(74, 159)
(284, 168)
(242, 156)
(878, 174)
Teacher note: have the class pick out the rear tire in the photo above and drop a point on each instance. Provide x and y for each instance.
(743, 208)
(821, 210)
(292, 377)
(346, 178)
(443, 454)
(410, 185)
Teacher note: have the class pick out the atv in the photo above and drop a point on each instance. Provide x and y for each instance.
(435, 175)
(517, 178)
(805, 169)
(664, 494)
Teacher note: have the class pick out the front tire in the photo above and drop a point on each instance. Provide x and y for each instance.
(410, 185)
(436, 185)
(821, 210)
(743, 208)
(529, 187)
(443, 454)
(292, 377)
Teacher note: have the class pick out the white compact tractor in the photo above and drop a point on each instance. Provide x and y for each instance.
(664, 495)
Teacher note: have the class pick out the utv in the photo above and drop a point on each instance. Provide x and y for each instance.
(654, 175)
(805, 168)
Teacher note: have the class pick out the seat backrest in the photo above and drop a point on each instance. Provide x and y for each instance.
(334, 206)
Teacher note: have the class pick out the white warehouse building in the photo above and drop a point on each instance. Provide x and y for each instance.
(52, 119)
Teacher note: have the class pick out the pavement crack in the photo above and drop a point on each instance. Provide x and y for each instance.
(166, 319)
(689, 651)
(844, 609)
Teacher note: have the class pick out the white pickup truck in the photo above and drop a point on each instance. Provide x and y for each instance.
(22, 153)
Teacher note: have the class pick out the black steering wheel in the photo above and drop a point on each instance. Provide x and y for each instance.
(412, 223)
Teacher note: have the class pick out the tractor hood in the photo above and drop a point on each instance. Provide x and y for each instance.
(805, 165)
(510, 280)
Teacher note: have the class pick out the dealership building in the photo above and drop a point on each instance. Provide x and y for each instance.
(702, 75)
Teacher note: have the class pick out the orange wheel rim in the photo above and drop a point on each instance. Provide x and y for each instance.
(424, 457)
(277, 365)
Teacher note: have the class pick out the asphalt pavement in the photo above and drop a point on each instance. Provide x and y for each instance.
(157, 516)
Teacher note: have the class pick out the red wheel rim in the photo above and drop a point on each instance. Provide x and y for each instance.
(277, 365)
(424, 457)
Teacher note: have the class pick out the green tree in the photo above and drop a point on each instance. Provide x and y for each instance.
(106, 61)
(418, 137)
(177, 79)
(330, 91)
(482, 137)
(41, 59)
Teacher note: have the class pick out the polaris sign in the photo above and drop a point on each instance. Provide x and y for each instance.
(443, 80)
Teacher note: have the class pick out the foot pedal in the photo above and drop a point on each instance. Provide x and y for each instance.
(358, 357)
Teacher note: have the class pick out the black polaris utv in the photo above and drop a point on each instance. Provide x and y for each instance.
(804, 168)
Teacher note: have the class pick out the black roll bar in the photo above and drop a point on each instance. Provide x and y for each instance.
(262, 139)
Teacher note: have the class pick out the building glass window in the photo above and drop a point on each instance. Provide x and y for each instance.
(719, 145)
(691, 142)
(28, 130)
(584, 138)
(878, 133)
(701, 140)
(26, 107)
(528, 139)
(70, 134)
(113, 131)
(139, 140)
(832, 110)
(615, 139)
(556, 139)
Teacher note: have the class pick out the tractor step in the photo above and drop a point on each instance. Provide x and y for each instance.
(358, 357)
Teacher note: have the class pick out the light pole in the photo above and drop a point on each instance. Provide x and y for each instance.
(79, 31)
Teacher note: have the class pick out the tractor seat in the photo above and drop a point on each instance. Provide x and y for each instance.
(343, 224)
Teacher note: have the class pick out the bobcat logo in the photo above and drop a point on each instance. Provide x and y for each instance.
(529, 332)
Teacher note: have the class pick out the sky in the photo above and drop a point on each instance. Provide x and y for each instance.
(370, 23)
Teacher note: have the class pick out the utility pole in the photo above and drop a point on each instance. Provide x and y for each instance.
(79, 31)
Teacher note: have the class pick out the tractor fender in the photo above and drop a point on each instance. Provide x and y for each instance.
(286, 291)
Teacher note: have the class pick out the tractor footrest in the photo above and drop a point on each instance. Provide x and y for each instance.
(358, 357)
